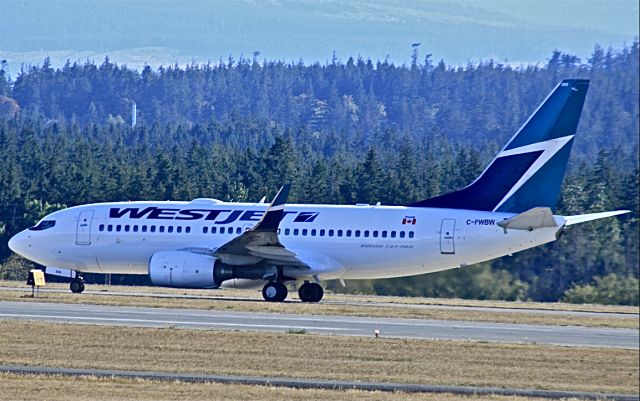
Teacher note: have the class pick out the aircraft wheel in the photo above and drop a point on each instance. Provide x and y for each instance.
(76, 286)
(310, 292)
(274, 291)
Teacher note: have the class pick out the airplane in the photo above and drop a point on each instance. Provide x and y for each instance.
(206, 243)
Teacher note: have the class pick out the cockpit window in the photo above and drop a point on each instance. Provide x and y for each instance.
(43, 225)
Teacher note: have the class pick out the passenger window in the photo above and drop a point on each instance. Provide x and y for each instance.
(144, 229)
(313, 232)
(322, 232)
(384, 234)
(410, 234)
(126, 228)
(213, 230)
(339, 233)
(304, 232)
(135, 228)
(109, 228)
(393, 234)
(375, 234)
(287, 231)
(187, 229)
(239, 230)
(205, 230)
(118, 228)
(170, 229)
(348, 233)
(331, 233)
(179, 229)
(153, 229)
(401, 234)
(366, 233)
(161, 229)
(357, 233)
(221, 230)
(295, 231)
(101, 227)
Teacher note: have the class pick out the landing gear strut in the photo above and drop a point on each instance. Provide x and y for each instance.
(310, 292)
(274, 291)
(77, 285)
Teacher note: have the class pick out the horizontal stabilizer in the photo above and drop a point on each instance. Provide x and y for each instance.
(581, 218)
(538, 217)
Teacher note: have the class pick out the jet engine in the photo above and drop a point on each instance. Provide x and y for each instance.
(184, 269)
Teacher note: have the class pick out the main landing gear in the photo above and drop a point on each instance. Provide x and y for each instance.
(274, 291)
(77, 285)
(310, 292)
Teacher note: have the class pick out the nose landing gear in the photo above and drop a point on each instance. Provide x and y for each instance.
(77, 285)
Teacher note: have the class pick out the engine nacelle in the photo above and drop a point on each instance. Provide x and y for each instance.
(183, 269)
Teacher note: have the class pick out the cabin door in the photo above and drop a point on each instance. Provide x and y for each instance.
(83, 228)
(447, 236)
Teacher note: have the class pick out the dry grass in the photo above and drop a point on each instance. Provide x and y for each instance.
(317, 356)
(250, 301)
(27, 387)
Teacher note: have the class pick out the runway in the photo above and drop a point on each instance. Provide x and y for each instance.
(223, 297)
(321, 324)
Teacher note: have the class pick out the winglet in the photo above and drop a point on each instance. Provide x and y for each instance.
(271, 219)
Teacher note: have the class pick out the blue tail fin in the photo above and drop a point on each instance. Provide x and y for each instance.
(528, 172)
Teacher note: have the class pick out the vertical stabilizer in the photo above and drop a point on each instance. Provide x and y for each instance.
(528, 172)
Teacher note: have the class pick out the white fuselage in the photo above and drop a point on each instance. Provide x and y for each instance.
(337, 242)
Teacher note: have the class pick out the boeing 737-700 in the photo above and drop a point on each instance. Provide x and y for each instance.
(206, 242)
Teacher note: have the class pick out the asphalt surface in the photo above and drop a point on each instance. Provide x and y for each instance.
(313, 384)
(323, 324)
(222, 297)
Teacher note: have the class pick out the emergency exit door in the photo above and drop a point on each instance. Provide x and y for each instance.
(447, 236)
(83, 228)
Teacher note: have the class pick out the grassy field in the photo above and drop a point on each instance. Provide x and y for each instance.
(349, 305)
(317, 356)
(18, 387)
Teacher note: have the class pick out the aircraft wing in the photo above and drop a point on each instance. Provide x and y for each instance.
(261, 242)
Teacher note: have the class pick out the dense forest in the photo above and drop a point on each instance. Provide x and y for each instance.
(342, 132)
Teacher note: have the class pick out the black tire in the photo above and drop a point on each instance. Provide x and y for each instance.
(274, 291)
(310, 292)
(76, 286)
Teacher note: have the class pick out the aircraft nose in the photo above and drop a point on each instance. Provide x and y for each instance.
(17, 243)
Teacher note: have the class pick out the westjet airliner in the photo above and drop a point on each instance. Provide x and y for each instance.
(206, 242)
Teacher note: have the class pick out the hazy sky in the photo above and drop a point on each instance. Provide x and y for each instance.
(157, 32)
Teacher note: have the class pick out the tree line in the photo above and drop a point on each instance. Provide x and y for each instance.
(344, 132)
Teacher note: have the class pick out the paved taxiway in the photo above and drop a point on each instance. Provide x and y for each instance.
(314, 383)
(222, 297)
(323, 324)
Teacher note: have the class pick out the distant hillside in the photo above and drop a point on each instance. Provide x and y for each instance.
(135, 32)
